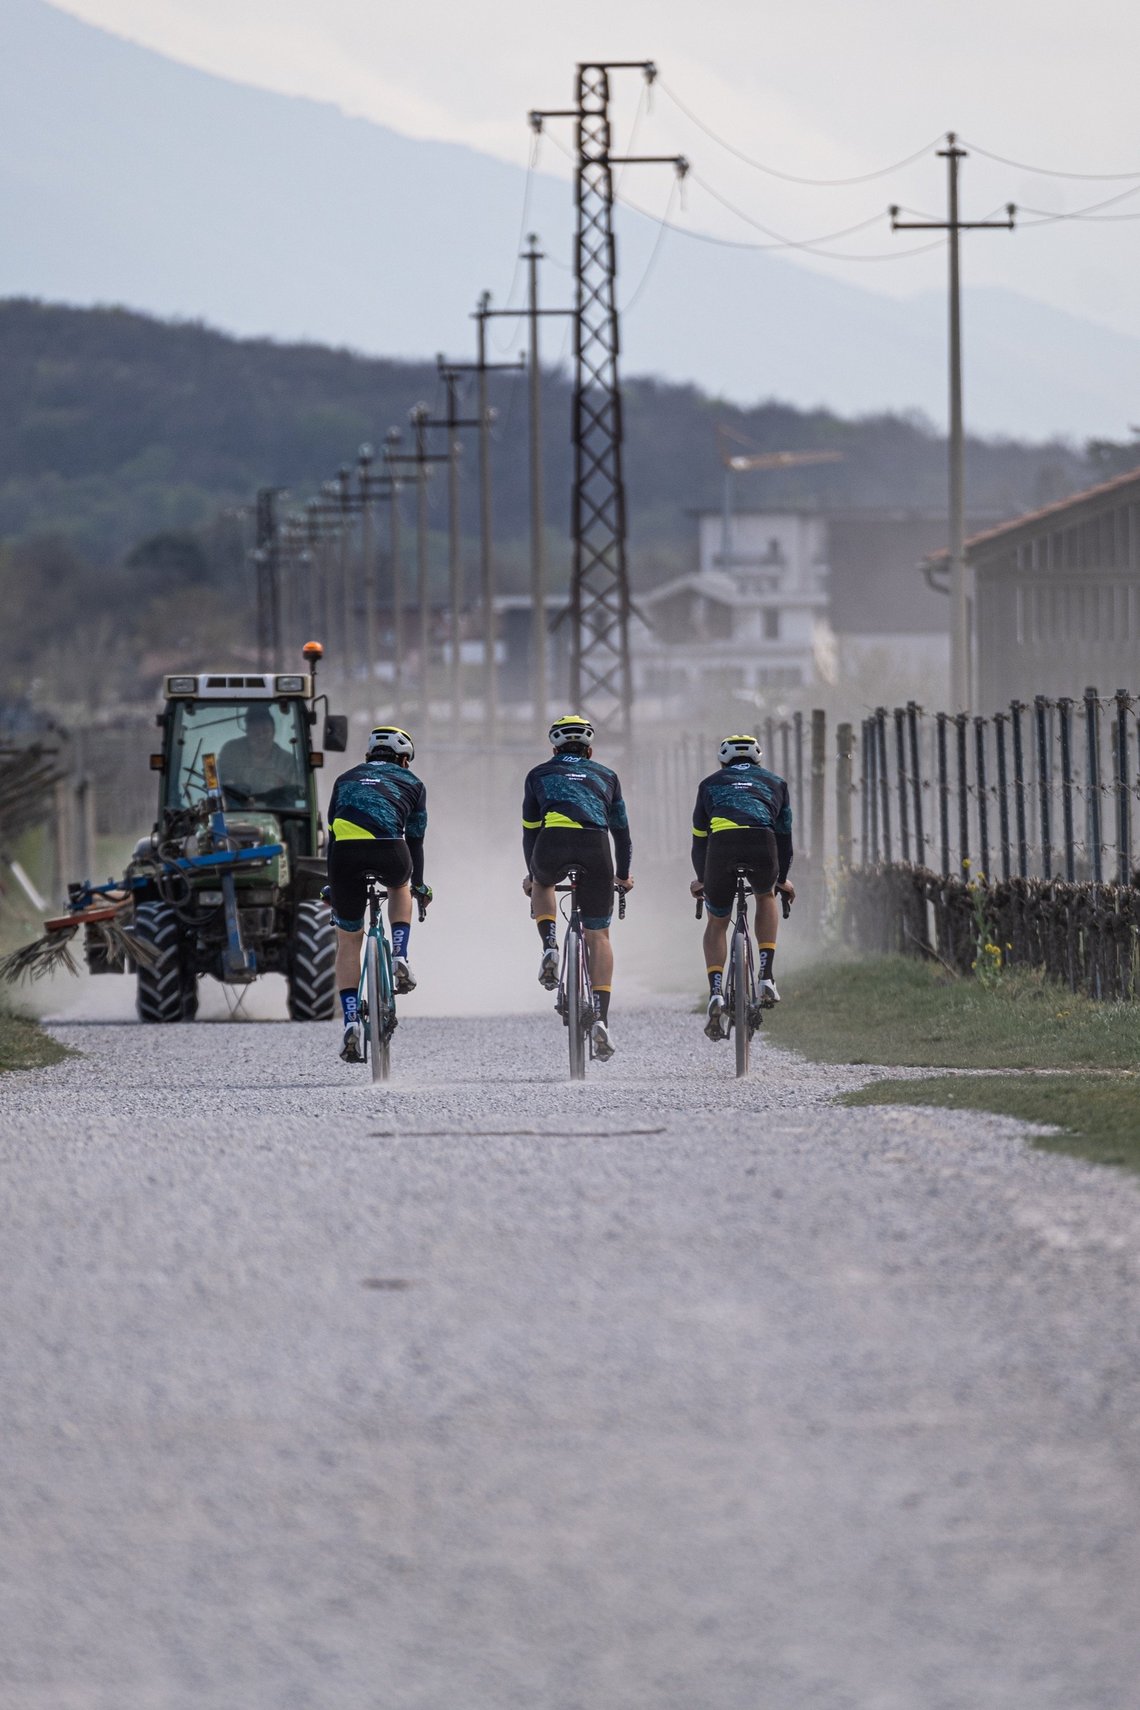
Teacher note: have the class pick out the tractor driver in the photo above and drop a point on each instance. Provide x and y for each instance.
(254, 764)
(377, 822)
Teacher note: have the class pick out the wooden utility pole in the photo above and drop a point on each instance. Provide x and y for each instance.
(484, 417)
(420, 460)
(961, 686)
(538, 663)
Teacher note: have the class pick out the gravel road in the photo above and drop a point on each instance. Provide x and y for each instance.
(486, 1392)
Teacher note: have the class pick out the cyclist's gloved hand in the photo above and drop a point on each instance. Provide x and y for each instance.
(696, 887)
(423, 894)
(326, 894)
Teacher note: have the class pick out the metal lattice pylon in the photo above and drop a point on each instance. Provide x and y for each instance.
(599, 603)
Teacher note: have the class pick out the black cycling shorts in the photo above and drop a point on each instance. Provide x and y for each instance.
(556, 850)
(350, 861)
(754, 850)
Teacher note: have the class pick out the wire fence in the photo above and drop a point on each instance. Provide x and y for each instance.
(1001, 841)
(1045, 789)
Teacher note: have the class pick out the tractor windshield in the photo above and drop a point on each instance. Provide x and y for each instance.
(261, 749)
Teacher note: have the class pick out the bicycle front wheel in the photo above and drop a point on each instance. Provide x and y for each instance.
(379, 1003)
(741, 993)
(577, 1020)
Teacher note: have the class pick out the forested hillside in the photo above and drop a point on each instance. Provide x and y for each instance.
(128, 447)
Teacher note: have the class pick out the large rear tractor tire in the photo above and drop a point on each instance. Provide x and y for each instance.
(166, 991)
(312, 964)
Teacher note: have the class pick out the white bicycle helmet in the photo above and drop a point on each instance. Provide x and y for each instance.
(739, 748)
(571, 731)
(389, 742)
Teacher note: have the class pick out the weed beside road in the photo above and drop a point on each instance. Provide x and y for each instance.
(25, 1045)
(1079, 1059)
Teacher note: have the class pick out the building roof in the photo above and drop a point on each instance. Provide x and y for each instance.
(1047, 515)
(712, 584)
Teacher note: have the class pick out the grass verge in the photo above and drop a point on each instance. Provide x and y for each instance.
(25, 1045)
(1099, 1115)
(898, 1010)
(895, 1010)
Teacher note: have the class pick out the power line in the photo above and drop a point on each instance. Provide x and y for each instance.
(806, 245)
(1048, 171)
(782, 241)
(779, 242)
(656, 250)
(1084, 219)
(639, 113)
(792, 177)
(524, 227)
(1092, 208)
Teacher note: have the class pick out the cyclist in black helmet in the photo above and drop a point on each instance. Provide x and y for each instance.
(572, 805)
(743, 818)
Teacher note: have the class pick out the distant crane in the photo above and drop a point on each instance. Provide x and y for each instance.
(736, 463)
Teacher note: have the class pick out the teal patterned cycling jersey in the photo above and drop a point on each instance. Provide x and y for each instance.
(378, 799)
(572, 793)
(742, 796)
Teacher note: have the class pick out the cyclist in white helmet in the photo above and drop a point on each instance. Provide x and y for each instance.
(572, 805)
(743, 818)
(377, 822)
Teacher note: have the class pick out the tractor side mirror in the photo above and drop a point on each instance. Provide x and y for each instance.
(336, 733)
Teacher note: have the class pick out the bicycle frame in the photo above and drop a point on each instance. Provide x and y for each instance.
(742, 999)
(575, 998)
(376, 994)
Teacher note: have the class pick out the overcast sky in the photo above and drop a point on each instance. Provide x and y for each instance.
(820, 88)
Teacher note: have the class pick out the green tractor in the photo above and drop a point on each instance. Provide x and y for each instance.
(229, 881)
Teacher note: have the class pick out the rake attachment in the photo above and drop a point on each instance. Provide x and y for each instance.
(35, 961)
(52, 951)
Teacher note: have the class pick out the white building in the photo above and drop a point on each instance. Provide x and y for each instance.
(751, 618)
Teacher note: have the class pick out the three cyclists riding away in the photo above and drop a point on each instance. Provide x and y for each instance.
(377, 824)
(572, 807)
(742, 821)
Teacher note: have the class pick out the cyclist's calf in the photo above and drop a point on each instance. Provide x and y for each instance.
(599, 956)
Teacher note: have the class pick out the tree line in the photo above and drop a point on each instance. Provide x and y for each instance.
(129, 447)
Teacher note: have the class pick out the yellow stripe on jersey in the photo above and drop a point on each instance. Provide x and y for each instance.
(344, 831)
(729, 825)
(556, 819)
(532, 824)
(697, 833)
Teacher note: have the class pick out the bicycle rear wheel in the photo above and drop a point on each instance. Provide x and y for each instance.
(576, 1020)
(379, 1003)
(741, 992)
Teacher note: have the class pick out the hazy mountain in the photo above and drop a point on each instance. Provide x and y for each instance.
(116, 426)
(127, 178)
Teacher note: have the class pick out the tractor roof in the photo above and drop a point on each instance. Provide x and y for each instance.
(233, 685)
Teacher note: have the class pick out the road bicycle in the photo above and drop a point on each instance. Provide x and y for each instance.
(575, 999)
(376, 993)
(743, 1007)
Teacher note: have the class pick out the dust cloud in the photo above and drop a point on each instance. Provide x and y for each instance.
(478, 951)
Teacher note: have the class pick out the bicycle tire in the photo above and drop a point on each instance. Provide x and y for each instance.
(379, 1040)
(576, 1021)
(741, 991)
